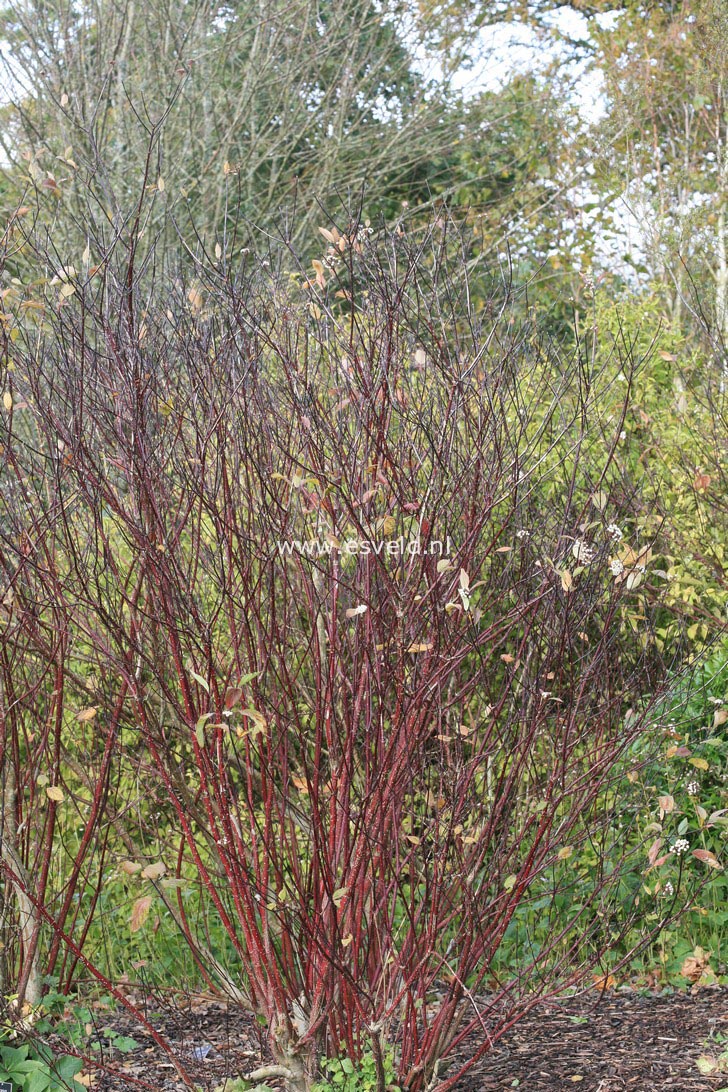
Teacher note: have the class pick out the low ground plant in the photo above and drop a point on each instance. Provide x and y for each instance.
(32, 1067)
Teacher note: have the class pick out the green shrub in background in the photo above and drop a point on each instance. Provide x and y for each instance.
(679, 805)
(673, 461)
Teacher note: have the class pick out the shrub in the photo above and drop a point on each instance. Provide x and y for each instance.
(673, 457)
(335, 560)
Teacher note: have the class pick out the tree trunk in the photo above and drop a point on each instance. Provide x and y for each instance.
(29, 982)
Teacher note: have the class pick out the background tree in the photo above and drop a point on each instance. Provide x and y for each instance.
(666, 73)
(266, 114)
(264, 108)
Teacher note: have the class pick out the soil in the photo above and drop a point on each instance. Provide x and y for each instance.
(614, 1041)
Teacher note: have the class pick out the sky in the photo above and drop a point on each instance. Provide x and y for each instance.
(505, 49)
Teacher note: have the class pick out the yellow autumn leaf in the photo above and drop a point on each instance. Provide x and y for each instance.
(259, 722)
(8, 401)
(55, 792)
(139, 913)
(339, 895)
(154, 871)
(627, 555)
(699, 763)
(87, 714)
(565, 852)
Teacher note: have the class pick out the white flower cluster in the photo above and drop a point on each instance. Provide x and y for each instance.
(668, 890)
(583, 552)
(616, 566)
(614, 532)
(693, 788)
(523, 533)
(680, 846)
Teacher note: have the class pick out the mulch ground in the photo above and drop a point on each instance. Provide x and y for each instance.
(600, 1042)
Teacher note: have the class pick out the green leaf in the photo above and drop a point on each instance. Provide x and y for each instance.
(67, 1067)
(200, 728)
(199, 679)
(39, 1081)
(12, 1055)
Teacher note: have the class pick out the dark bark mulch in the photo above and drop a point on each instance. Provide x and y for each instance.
(610, 1042)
